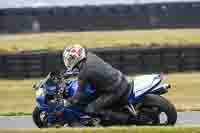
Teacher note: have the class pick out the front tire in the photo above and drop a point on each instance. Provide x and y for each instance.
(153, 107)
(39, 122)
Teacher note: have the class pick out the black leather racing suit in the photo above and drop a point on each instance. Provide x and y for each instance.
(111, 85)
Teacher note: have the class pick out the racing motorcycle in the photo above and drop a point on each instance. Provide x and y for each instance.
(145, 100)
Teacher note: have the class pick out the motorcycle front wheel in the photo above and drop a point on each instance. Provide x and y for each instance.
(39, 118)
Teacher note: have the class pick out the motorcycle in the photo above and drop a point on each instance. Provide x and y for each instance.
(145, 101)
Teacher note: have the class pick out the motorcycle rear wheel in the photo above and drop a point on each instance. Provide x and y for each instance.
(158, 111)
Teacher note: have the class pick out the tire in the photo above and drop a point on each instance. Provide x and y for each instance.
(36, 115)
(162, 105)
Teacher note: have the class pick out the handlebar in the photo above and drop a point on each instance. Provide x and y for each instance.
(70, 73)
(56, 76)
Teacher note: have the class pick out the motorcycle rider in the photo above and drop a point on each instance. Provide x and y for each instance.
(111, 85)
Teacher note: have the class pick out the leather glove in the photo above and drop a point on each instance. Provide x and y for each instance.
(67, 103)
(61, 92)
(72, 100)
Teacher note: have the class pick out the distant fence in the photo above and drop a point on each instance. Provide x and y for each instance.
(128, 60)
(160, 15)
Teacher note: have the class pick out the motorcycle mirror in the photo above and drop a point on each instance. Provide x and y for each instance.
(51, 74)
(34, 86)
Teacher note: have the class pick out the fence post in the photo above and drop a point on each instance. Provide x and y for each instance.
(142, 64)
(44, 63)
(4, 66)
(181, 63)
(121, 60)
(25, 66)
(162, 62)
(198, 65)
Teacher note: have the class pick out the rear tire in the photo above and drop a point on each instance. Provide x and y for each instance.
(154, 105)
(36, 115)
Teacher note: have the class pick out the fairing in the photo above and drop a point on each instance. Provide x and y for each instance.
(145, 83)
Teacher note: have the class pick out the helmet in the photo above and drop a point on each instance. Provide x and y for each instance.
(72, 56)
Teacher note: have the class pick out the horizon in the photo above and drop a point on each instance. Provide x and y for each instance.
(63, 3)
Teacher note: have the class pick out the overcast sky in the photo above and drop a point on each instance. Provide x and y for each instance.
(36, 3)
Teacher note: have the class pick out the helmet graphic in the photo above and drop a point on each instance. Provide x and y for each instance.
(72, 56)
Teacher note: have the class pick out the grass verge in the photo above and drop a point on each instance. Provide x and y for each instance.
(15, 114)
(135, 38)
(109, 130)
(18, 96)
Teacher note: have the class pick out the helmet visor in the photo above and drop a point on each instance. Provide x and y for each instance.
(69, 61)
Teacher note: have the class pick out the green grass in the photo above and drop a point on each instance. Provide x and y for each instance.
(17, 96)
(15, 114)
(185, 91)
(58, 40)
(109, 130)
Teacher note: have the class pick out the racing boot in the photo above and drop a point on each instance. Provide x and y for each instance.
(138, 119)
(115, 117)
(91, 121)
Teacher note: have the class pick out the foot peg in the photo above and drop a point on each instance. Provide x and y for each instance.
(131, 109)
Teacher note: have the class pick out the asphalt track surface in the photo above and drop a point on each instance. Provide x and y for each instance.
(184, 119)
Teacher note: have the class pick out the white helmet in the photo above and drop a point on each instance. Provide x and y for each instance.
(73, 56)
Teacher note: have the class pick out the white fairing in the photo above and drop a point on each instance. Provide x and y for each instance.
(39, 92)
(144, 83)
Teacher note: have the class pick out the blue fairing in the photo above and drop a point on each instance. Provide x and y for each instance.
(70, 113)
(73, 87)
(41, 103)
(51, 90)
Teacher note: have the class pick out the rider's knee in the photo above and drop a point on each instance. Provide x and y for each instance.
(90, 109)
